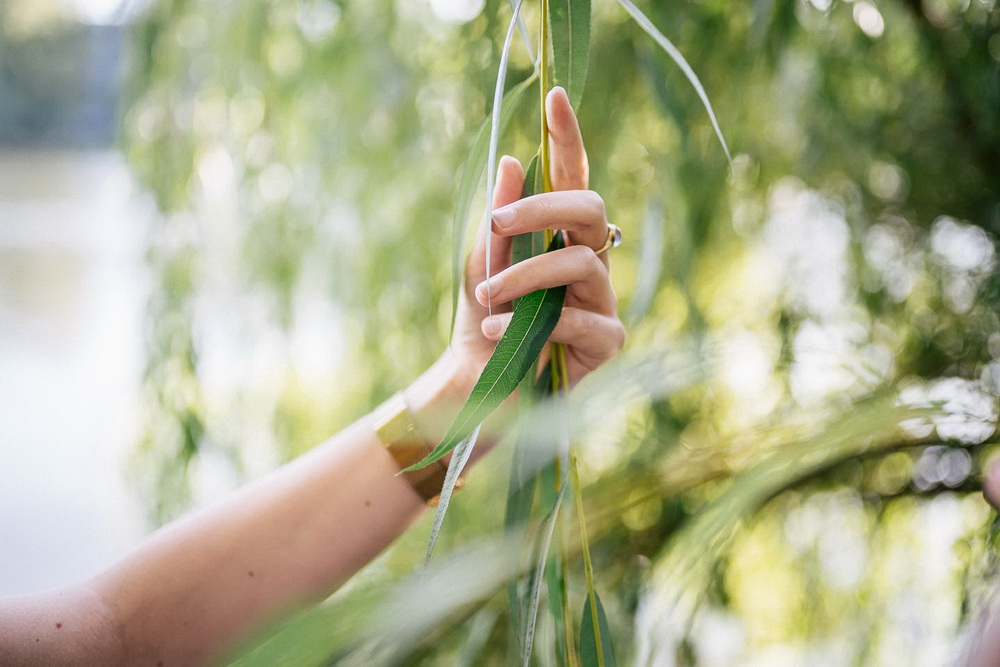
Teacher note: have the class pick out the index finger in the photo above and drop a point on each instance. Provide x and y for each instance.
(568, 159)
(510, 177)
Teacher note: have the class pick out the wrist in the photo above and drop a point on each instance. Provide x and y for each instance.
(437, 396)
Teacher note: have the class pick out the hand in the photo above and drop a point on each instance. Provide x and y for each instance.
(589, 324)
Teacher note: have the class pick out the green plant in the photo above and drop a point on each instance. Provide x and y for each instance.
(847, 149)
(564, 32)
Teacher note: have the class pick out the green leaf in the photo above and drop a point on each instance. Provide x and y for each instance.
(570, 26)
(475, 163)
(491, 159)
(521, 489)
(590, 654)
(534, 318)
(520, 499)
(529, 244)
(455, 467)
(681, 62)
(542, 564)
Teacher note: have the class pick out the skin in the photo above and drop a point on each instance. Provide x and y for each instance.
(196, 588)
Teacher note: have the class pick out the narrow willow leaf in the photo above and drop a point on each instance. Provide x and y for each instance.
(491, 160)
(534, 318)
(541, 558)
(520, 499)
(570, 26)
(455, 467)
(530, 244)
(681, 62)
(590, 656)
(475, 163)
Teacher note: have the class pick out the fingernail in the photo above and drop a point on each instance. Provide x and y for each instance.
(504, 217)
(495, 285)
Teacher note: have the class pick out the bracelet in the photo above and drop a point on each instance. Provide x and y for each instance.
(396, 430)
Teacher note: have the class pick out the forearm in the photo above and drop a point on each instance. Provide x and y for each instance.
(196, 588)
(294, 536)
(200, 585)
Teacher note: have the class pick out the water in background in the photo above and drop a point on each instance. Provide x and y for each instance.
(72, 293)
(72, 290)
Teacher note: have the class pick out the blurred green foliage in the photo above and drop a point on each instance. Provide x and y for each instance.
(305, 155)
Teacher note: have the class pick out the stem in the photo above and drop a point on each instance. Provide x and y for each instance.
(557, 360)
(558, 357)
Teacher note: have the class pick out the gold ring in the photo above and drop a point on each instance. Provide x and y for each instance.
(613, 241)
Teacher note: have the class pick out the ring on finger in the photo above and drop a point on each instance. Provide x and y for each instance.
(613, 240)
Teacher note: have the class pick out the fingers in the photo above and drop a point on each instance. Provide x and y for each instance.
(510, 177)
(577, 267)
(595, 338)
(573, 208)
(568, 158)
(581, 213)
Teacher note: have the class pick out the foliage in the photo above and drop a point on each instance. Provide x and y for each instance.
(811, 392)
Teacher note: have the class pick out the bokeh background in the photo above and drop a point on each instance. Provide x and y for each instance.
(225, 232)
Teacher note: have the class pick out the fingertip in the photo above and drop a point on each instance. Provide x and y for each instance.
(510, 177)
(509, 161)
(493, 327)
(557, 101)
(558, 91)
(511, 169)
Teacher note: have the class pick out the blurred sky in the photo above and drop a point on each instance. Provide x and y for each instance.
(72, 291)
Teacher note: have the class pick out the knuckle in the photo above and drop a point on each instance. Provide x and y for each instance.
(619, 336)
(596, 267)
(596, 202)
(586, 261)
(572, 320)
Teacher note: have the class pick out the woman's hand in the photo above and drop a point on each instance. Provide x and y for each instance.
(588, 326)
